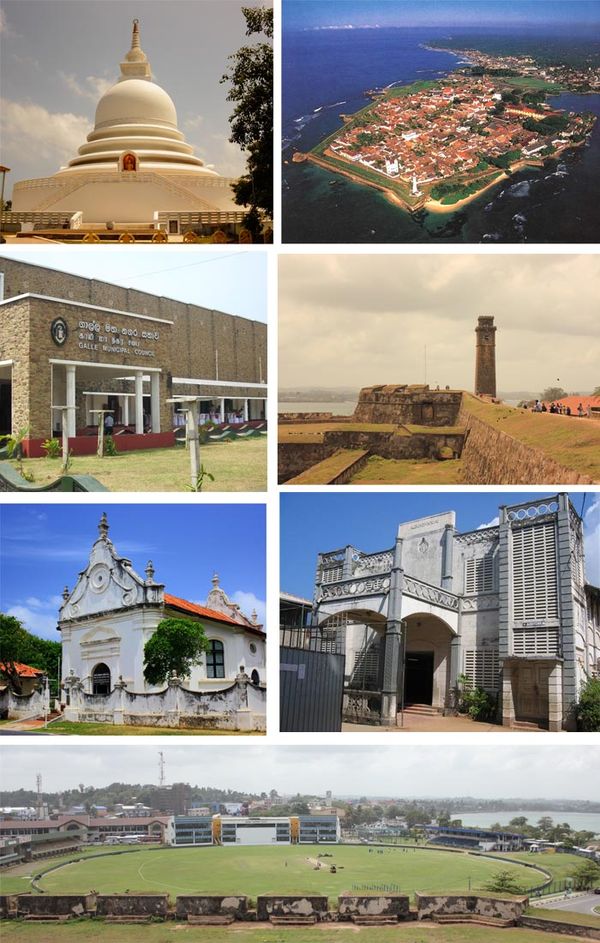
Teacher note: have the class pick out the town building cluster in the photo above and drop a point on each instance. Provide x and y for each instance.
(438, 132)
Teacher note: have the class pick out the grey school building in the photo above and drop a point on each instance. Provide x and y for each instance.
(88, 345)
(507, 606)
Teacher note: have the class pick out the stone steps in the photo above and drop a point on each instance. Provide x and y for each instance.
(374, 921)
(292, 921)
(47, 918)
(124, 918)
(210, 920)
(423, 710)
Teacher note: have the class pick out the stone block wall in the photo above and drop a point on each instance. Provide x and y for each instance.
(492, 457)
(388, 905)
(562, 928)
(211, 905)
(59, 905)
(294, 458)
(405, 404)
(8, 905)
(299, 906)
(132, 905)
(431, 906)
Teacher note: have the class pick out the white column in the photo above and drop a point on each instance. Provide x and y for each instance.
(192, 436)
(71, 415)
(155, 401)
(139, 402)
(222, 409)
(125, 410)
(245, 410)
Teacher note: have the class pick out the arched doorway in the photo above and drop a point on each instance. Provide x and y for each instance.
(101, 679)
(255, 677)
(427, 668)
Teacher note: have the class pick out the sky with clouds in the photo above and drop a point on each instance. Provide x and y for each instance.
(59, 57)
(484, 771)
(234, 282)
(369, 521)
(360, 320)
(44, 547)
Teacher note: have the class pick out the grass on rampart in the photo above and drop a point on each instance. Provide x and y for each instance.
(323, 472)
(96, 931)
(389, 471)
(236, 466)
(530, 81)
(573, 442)
(314, 431)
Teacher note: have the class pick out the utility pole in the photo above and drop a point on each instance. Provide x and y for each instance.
(161, 769)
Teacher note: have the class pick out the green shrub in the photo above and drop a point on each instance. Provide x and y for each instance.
(475, 701)
(110, 448)
(588, 707)
(52, 448)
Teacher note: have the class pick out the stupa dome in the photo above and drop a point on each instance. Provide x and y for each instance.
(136, 116)
(138, 101)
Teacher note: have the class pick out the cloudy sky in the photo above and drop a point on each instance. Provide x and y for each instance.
(466, 770)
(59, 57)
(370, 522)
(44, 547)
(360, 320)
(234, 282)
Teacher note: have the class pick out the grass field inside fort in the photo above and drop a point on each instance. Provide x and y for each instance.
(86, 931)
(262, 870)
(236, 466)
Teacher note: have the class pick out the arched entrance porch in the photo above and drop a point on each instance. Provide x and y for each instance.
(428, 675)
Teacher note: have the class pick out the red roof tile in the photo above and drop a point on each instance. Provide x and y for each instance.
(24, 671)
(195, 609)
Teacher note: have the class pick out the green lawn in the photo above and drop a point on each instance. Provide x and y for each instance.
(89, 931)
(236, 466)
(112, 730)
(560, 866)
(324, 471)
(287, 870)
(391, 471)
(17, 880)
(573, 442)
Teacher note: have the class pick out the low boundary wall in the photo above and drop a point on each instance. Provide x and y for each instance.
(211, 905)
(387, 905)
(564, 928)
(132, 905)
(442, 905)
(55, 905)
(301, 905)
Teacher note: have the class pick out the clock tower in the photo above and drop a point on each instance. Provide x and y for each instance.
(485, 362)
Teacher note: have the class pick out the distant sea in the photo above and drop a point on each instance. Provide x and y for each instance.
(338, 409)
(327, 72)
(579, 821)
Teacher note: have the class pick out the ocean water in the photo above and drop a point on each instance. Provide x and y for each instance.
(326, 73)
(337, 408)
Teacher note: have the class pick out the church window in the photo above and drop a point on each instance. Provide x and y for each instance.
(255, 677)
(479, 576)
(215, 660)
(101, 679)
(534, 571)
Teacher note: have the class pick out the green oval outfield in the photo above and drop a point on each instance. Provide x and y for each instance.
(283, 870)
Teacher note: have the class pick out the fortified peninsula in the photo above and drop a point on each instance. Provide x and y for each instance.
(438, 145)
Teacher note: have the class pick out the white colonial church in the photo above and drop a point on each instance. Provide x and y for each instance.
(112, 611)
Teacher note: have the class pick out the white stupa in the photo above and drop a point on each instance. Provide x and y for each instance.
(134, 163)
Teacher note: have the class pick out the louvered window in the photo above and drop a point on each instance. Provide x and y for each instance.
(333, 574)
(535, 591)
(482, 668)
(530, 642)
(479, 576)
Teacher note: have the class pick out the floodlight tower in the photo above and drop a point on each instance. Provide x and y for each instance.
(161, 768)
(40, 801)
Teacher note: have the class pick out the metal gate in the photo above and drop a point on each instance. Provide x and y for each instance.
(311, 680)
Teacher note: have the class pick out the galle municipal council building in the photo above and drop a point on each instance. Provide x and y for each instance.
(68, 341)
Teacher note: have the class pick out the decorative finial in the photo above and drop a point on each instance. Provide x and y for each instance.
(65, 593)
(215, 581)
(254, 616)
(150, 571)
(135, 65)
(103, 526)
(135, 36)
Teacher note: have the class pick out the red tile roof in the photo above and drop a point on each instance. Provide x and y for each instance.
(24, 671)
(193, 608)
